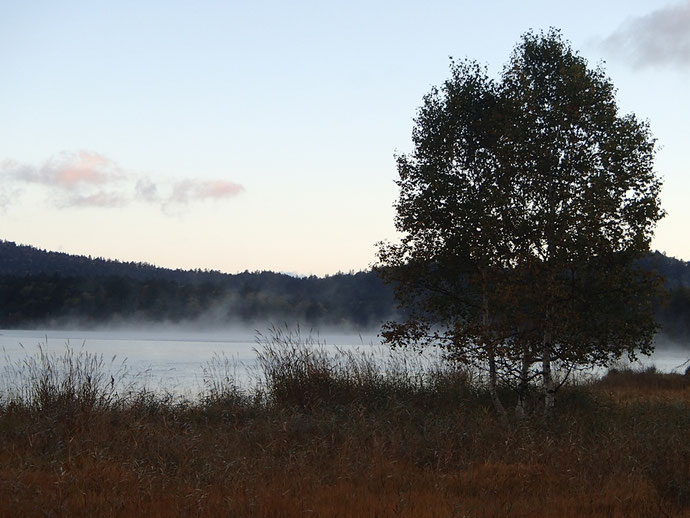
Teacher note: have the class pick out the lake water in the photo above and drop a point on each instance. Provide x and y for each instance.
(174, 359)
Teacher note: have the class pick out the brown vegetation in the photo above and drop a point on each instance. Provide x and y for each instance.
(340, 437)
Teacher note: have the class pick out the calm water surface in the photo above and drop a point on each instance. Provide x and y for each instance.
(174, 359)
(171, 359)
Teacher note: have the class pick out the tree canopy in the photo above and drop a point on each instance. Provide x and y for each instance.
(523, 208)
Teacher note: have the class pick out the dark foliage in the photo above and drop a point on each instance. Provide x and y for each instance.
(523, 208)
(40, 287)
(49, 288)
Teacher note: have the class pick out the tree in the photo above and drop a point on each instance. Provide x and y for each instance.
(522, 209)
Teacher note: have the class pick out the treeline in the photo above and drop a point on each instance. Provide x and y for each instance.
(40, 288)
(673, 311)
(24, 260)
(676, 272)
(358, 301)
(674, 315)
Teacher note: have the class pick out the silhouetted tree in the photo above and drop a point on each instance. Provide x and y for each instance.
(523, 208)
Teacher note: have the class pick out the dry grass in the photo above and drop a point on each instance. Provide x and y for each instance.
(628, 385)
(324, 436)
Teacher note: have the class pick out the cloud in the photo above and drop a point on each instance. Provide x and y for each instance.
(7, 196)
(100, 199)
(660, 38)
(146, 190)
(186, 191)
(88, 179)
(68, 170)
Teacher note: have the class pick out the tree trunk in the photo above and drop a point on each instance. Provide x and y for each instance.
(493, 376)
(547, 346)
(549, 385)
(521, 407)
(493, 385)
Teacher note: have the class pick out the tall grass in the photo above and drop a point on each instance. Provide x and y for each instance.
(336, 434)
(301, 371)
(74, 379)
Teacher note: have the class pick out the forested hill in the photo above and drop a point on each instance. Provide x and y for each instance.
(676, 272)
(39, 288)
(23, 260)
(52, 288)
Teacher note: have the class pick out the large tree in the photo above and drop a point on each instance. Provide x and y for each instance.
(523, 208)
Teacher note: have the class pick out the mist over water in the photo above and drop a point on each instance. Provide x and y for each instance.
(669, 355)
(173, 358)
(168, 357)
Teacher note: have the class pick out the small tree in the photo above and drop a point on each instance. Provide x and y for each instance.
(523, 208)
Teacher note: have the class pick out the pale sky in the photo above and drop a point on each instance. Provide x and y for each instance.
(260, 135)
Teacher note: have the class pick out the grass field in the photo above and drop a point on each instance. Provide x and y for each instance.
(325, 436)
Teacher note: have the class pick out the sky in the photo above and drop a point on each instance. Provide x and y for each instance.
(261, 135)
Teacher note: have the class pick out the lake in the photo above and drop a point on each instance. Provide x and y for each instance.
(173, 359)
(167, 358)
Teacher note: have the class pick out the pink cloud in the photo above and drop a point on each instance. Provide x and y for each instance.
(85, 167)
(99, 199)
(218, 189)
(68, 170)
(89, 179)
(191, 190)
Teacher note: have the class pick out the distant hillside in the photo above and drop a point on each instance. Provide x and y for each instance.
(676, 272)
(22, 260)
(39, 288)
(52, 288)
